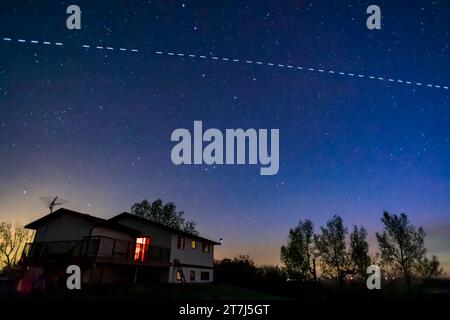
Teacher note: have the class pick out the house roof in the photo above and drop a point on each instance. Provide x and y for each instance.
(99, 222)
(161, 226)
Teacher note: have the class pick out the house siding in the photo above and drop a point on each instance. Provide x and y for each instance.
(160, 238)
(65, 228)
(192, 259)
(191, 256)
(186, 272)
(69, 227)
(106, 232)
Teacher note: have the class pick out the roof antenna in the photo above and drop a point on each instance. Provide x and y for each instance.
(52, 202)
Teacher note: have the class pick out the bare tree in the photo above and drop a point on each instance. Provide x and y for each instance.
(12, 241)
(401, 245)
(430, 268)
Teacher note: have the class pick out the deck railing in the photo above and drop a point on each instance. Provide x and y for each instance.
(98, 246)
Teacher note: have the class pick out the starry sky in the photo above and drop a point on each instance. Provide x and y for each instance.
(93, 125)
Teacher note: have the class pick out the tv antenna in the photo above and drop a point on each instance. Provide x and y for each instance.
(52, 202)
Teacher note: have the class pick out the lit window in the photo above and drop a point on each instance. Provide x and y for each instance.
(178, 276)
(205, 247)
(193, 244)
(180, 243)
(141, 250)
(192, 276)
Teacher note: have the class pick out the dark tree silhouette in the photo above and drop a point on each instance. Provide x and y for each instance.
(359, 250)
(331, 246)
(189, 226)
(401, 245)
(297, 255)
(430, 268)
(242, 271)
(166, 214)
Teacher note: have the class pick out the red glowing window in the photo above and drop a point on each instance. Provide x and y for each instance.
(142, 248)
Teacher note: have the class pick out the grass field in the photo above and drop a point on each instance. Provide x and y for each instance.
(213, 291)
(438, 289)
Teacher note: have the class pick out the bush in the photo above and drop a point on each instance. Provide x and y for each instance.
(243, 272)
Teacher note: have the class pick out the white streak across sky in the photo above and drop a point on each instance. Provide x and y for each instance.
(246, 61)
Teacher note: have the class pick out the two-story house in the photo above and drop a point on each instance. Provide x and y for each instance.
(123, 249)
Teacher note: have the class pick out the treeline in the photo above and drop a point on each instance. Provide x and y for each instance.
(339, 255)
(243, 272)
(164, 213)
(333, 252)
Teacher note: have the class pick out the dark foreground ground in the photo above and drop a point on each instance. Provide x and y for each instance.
(438, 289)
(214, 291)
(280, 301)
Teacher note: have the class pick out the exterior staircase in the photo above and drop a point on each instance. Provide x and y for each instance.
(177, 264)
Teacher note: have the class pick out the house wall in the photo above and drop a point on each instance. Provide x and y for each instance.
(63, 228)
(110, 274)
(123, 274)
(105, 232)
(194, 257)
(67, 228)
(186, 271)
(191, 256)
(114, 241)
(159, 237)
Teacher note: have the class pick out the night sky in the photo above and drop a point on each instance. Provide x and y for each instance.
(93, 125)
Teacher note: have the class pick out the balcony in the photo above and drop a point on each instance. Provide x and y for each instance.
(98, 248)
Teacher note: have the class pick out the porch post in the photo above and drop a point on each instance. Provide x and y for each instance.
(94, 268)
(135, 275)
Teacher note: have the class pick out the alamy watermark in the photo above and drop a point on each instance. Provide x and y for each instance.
(74, 279)
(374, 279)
(236, 146)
